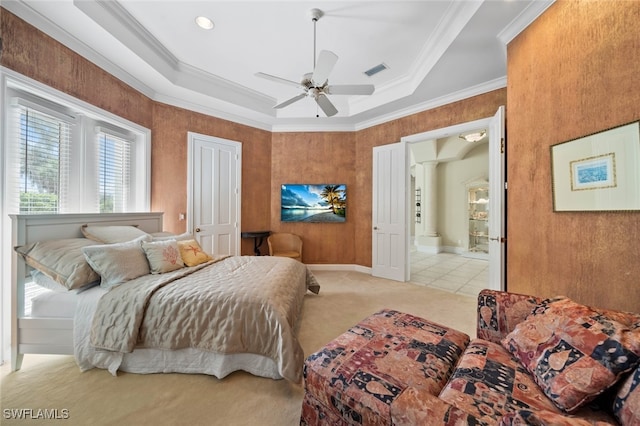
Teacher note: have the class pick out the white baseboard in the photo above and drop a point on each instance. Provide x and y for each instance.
(439, 249)
(340, 267)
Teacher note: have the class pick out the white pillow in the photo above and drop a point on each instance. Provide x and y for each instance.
(109, 234)
(163, 256)
(61, 260)
(118, 263)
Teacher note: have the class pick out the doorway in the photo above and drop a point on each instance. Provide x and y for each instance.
(440, 263)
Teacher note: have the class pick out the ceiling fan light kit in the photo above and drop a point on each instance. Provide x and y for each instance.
(316, 84)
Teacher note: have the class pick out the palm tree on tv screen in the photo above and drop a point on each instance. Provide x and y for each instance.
(334, 196)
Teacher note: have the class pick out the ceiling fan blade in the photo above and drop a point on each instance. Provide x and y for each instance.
(326, 62)
(290, 101)
(279, 80)
(350, 89)
(326, 105)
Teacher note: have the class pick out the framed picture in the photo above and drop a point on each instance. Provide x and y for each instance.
(599, 172)
(320, 203)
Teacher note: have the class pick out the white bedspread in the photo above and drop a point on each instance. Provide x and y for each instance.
(233, 278)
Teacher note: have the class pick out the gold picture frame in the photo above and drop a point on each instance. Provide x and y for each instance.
(598, 172)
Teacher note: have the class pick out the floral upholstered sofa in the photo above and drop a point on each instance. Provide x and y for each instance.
(534, 361)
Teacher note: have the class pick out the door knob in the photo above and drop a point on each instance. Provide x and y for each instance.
(197, 229)
(375, 227)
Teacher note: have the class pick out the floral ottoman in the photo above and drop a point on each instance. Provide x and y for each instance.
(358, 377)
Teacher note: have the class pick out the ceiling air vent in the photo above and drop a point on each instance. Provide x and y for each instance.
(375, 70)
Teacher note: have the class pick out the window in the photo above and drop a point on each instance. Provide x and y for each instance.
(62, 155)
(114, 164)
(65, 160)
(43, 146)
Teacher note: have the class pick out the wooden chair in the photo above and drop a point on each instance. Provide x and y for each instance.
(285, 245)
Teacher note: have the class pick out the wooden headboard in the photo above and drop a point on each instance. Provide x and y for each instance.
(31, 228)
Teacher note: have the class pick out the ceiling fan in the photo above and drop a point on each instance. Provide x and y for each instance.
(315, 84)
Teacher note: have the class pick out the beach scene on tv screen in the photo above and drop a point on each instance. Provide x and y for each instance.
(313, 203)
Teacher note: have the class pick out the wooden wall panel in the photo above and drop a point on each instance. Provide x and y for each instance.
(317, 158)
(573, 72)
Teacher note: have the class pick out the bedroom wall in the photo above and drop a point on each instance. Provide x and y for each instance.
(572, 72)
(317, 158)
(169, 166)
(34, 54)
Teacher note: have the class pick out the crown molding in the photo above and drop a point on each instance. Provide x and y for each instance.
(523, 20)
(116, 20)
(498, 83)
(43, 24)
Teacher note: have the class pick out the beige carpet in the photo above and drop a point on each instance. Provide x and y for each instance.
(97, 398)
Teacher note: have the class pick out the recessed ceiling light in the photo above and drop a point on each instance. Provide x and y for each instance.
(204, 22)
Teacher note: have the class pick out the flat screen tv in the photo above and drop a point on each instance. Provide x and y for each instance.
(313, 203)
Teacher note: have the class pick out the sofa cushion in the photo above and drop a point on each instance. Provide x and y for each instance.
(489, 383)
(626, 405)
(574, 352)
(359, 375)
(499, 312)
(549, 418)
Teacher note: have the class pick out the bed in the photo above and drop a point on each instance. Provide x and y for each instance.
(215, 316)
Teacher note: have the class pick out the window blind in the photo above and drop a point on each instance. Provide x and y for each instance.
(40, 172)
(114, 164)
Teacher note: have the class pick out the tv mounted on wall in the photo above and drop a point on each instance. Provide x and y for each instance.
(313, 203)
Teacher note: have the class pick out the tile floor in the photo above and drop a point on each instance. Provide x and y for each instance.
(449, 271)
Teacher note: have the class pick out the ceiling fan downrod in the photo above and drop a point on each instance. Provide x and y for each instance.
(315, 15)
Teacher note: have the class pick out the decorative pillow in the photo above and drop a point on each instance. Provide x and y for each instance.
(110, 234)
(62, 260)
(163, 256)
(574, 352)
(192, 253)
(118, 263)
(626, 405)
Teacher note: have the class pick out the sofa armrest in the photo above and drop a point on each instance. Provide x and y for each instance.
(419, 407)
(500, 311)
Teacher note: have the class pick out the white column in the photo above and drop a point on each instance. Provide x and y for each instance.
(430, 210)
(428, 240)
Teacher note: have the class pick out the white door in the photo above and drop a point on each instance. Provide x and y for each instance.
(497, 200)
(389, 245)
(214, 193)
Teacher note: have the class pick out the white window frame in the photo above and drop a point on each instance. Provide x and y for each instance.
(90, 117)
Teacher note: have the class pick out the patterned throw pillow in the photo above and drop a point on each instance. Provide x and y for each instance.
(626, 405)
(574, 352)
(191, 253)
(163, 256)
